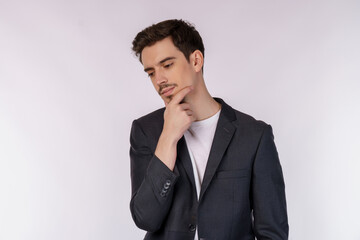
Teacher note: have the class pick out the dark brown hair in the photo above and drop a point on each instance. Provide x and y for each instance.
(184, 36)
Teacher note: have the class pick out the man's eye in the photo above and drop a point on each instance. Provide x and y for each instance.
(168, 65)
(151, 74)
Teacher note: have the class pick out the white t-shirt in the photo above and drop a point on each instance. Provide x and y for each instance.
(199, 138)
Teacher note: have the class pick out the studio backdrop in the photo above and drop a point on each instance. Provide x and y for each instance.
(70, 87)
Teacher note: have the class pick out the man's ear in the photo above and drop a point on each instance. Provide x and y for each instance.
(197, 60)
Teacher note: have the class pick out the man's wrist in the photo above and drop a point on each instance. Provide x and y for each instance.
(166, 150)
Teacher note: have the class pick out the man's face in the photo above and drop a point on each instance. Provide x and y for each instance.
(167, 68)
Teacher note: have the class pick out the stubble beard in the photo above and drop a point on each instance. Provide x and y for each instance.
(165, 86)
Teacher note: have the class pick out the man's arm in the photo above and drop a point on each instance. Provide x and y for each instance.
(268, 191)
(152, 183)
(152, 174)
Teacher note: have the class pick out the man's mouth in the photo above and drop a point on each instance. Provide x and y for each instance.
(167, 91)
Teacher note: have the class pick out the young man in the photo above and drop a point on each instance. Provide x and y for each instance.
(199, 168)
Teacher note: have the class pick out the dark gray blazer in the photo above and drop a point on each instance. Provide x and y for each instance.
(242, 195)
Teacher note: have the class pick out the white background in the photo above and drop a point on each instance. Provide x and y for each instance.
(70, 88)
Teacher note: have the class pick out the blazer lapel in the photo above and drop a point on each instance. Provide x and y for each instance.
(223, 134)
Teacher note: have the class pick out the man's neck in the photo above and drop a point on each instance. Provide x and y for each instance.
(203, 104)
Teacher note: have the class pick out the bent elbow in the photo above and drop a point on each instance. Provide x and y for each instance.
(145, 219)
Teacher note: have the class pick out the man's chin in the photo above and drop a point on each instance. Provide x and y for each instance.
(167, 99)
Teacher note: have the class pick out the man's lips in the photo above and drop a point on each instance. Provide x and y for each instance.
(167, 91)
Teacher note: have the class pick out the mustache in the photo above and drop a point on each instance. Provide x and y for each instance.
(165, 86)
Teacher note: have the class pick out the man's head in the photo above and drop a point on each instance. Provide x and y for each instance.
(183, 34)
(172, 53)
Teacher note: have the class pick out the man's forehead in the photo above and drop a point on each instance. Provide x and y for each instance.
(162, 49)
(159, 59)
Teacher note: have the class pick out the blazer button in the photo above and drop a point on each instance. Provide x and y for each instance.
(167, 184)
(192, 227)
(163, 193)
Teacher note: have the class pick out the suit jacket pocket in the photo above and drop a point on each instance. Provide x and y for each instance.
(241, 173)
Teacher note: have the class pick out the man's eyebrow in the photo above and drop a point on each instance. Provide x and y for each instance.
(166, 59)
(162, 61)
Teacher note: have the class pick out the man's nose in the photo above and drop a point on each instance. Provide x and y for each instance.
(160, 79)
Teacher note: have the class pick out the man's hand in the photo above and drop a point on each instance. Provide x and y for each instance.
(177, 119)
(177, 116)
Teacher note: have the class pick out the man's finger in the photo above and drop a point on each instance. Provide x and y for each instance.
(180, 95)
(189, 112)
(166, 103)
(185, 106)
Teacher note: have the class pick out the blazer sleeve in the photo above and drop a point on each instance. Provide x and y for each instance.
(152, 183)
(268, 191)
